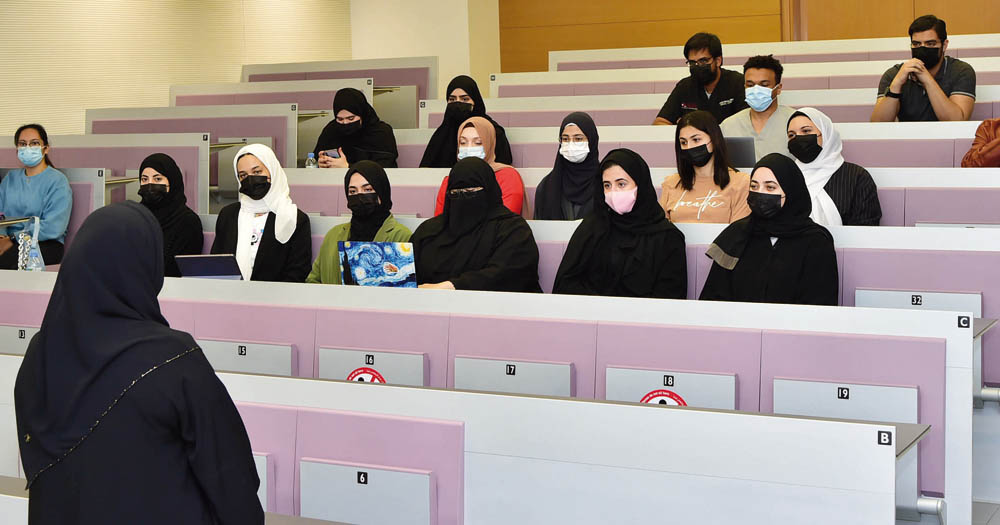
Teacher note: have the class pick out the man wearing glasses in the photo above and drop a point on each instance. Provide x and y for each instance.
(709, 88)
(931, 85)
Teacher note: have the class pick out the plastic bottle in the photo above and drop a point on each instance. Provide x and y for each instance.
(311, 161)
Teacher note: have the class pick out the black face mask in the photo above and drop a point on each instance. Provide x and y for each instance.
(349, 128)
(805, 147)
(457, 112)
(698, 155)
(702, 74)
(362, 204)
(930, 56)
(764, 205)
(255, 186)
(153, 195)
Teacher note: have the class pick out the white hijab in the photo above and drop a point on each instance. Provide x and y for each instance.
(277, 201)
(818, 172)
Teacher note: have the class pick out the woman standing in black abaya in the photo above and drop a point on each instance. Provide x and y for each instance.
(464, 102)
(777, 254)
(626, 246)
(162, 191)
(121, 419)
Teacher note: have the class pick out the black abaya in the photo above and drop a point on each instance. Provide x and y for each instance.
(799, 267)
(182, 230)
(476, 243)
(121, 419)
(442, 149)
(374, 141)
(570, 185)
(638, 254)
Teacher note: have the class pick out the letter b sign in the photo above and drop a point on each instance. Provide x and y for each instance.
(884, 437)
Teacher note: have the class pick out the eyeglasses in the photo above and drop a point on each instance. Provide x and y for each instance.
(929, 43)
(699, 62)
(33, 144)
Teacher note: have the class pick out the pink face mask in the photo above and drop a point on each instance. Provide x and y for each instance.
(621, 201)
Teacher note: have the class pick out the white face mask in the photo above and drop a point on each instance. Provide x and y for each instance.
(574, 152)
(471, 151)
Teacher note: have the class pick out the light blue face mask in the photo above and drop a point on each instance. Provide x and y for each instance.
(759, 98)
(30, 156)
(471, 151)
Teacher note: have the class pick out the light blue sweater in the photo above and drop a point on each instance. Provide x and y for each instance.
(46, 195)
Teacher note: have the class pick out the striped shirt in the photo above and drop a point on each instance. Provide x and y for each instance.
(854, 192)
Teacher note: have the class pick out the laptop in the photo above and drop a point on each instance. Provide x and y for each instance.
(377, 264)
(741, 152)
(221, 266)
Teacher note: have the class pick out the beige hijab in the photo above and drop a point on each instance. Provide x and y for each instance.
(488, 134)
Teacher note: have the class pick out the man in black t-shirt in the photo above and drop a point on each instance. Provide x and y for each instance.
(709, 88)
(931, 85)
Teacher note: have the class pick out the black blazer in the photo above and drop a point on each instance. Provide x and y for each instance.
(289, 262)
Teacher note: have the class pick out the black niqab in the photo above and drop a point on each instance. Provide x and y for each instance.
(639, 254)
(102, 331)
(374, 141)
(442, 149)
(476, 242)
(791, 221)
(363, 229)
(572, 181)
(182, 232)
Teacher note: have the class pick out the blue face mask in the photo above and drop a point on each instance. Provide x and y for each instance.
(759, 98)
(30, 156)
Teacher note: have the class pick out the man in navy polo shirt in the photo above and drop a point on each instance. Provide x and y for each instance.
(709, 88)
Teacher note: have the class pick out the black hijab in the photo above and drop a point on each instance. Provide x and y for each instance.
(374, 139)
(363, 229)
(170, 210)
(102, 332)
(569, 180)
(442, 149)
(467, 234)
(612, 250)
(791, 221)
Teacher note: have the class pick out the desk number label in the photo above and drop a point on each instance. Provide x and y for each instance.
(668, 380)
(843, 392)
(884, 437)
(241, 350)
(964, 321)
(21, 334)
(423, 104)
(511, 370)
(369, 359)
(362, 478)
(916, 300)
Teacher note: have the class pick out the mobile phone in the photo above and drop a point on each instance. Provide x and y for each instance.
(331, 153)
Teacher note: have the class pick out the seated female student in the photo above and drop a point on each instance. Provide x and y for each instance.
(370, 199)
(266, 231)
(567, 192)
(626, 246)
(705, 187)
(464, 101)
(355, 134)
(477, 243)
(162, 192)
(476, 139)
(37, 190)
(842, 193)
(777, 254)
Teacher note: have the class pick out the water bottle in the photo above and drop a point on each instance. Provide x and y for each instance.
(311, 161)
(30, 256)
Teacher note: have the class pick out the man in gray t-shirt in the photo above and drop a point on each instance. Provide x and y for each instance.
(930, 86)
(764, 120)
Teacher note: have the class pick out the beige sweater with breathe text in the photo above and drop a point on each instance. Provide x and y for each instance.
(706, 202)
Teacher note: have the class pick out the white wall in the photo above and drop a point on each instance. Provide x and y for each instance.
(399, 28)
(61, 57)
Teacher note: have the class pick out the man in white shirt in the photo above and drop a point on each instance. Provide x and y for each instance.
(765, 120)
